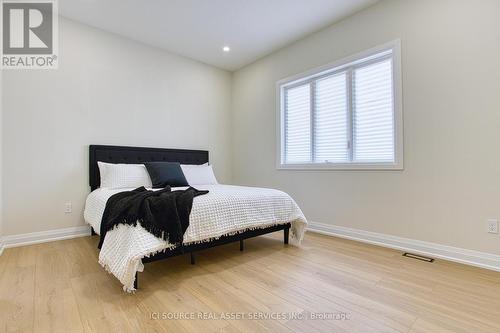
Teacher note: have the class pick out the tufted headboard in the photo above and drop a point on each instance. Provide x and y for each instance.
(132, 155)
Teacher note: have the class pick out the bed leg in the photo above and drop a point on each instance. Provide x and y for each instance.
(136, 281)
(193, 259)
(286, 234)
(241, 244)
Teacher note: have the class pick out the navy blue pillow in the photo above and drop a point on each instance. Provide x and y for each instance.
(166, 173)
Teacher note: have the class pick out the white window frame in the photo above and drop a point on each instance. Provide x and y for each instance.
(332, 68)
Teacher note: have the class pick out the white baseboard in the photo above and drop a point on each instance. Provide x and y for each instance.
(43, 237)
(463, 256)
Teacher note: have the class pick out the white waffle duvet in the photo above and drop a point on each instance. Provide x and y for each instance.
(225, 210)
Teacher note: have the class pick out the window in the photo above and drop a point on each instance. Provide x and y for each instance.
(344, 116)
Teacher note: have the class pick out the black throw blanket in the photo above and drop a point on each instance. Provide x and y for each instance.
(163, 213)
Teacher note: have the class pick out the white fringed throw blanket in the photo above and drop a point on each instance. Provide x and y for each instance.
(225, 210)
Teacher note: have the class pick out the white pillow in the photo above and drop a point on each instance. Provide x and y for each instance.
(124, 175)
(199, 174)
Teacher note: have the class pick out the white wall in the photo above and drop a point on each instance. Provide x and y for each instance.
(451, 98)
(107, 90)
(1, 155)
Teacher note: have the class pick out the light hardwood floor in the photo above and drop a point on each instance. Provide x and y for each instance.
(60, 287)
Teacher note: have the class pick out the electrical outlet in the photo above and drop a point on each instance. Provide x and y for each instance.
(68, 208)
(492, 226)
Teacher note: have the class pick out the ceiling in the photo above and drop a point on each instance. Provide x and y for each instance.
(198, 29)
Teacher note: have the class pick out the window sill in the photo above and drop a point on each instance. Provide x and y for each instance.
(343, 167)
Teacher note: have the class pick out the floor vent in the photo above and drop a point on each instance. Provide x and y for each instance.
(418, 257)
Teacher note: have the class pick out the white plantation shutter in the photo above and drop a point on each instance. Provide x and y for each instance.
(346, 116)
(331, 119)
(373, 125)
(298, 124)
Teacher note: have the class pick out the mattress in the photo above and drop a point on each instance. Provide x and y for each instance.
(225, 210)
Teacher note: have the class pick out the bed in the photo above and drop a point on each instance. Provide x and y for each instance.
(226, 214)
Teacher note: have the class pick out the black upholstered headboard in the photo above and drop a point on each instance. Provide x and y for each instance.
(134, 155)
